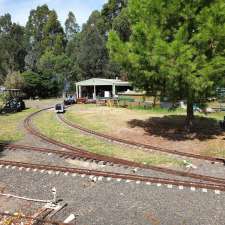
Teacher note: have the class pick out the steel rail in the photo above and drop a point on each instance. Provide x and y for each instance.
(19, 216)
(130, 177)
(88, 155)
(74, 155)
(14, 147)
(145, 146)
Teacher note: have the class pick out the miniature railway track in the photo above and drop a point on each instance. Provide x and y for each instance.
(82, 153)
(30, 218)
(120, 176)
(63, 154)
(140, 145)
(74, 155)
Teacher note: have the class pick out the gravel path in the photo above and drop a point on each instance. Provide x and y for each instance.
(119, 203)
(52, 159)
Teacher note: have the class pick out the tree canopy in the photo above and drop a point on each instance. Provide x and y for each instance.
(12, 51)
(54, 57)
(172, 48)
(176, 48)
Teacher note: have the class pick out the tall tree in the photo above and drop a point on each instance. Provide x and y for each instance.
(111, 10)
(176, 47)
(71, 26)
(121, 24)
(92, 58)
(34, 35)
(43, 32)
(12, 50)
(72, 52)
(92, 52)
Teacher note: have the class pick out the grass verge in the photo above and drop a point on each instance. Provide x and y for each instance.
(50, 126)
(10, 130)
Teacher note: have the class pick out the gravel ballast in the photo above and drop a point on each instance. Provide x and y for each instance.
(118, 203)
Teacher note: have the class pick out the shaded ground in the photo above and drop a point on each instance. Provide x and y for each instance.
(153, 128)
(172, 127)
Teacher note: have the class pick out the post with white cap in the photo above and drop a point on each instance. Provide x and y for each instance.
(54, 195)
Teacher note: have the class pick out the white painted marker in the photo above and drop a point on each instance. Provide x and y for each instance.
(217, 192)
(69, 219)
(192, 188)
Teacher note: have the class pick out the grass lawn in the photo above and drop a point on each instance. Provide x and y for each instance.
(48, 124)
(10, 125)
(158, 110)
(97, 118)
(160, 124)
(100, 118)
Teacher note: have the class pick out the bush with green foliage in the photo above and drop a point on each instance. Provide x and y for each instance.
(14, 80)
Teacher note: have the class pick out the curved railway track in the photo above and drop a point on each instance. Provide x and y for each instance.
(140, 145)
(138, 178)
(74, 155)
(93, 156)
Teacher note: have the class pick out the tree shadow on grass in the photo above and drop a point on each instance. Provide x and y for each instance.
(172, 127)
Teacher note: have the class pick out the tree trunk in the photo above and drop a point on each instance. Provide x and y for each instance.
(190, 116)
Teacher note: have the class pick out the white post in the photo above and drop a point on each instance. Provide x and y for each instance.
(79, 87)
(77, 91)
(114, 90)
(54, 195)
(94, 96)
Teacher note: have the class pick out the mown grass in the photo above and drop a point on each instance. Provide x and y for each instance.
(158, 110)
(50, 126)
(177, 111)
(98, 121)
(109, 121)
(94, 124)
(10, 129)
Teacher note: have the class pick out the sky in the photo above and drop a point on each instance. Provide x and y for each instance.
(19, 9)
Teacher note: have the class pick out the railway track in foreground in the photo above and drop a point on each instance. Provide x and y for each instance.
(16, 218)
(140, 145)
(93, 156)
(121, 162)
(111, 175)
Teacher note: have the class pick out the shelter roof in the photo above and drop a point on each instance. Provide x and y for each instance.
(103, 82)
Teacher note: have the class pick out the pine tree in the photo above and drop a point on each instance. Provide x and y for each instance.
(176, 48)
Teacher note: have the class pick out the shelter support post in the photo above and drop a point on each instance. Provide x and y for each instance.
(94, 95)
(79, 91)
(114, 90)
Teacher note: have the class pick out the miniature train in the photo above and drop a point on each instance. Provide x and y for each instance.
(59, 108)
